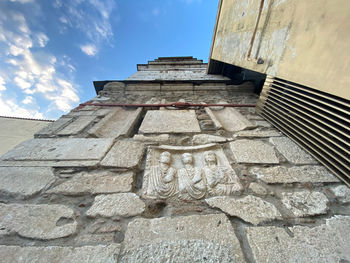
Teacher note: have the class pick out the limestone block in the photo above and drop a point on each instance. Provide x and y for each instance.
(179, 121)
(188, 172)
(207, 138)
(84, 254)
(342, 192)
(162, 138)
(119, 122)
(258, 133)
(230, 119)
(291, 151)
(57, 152)
(95, 183)
(123, 204)
(295, 174)
(262, 123)
(26, 181)
(328, 242)
(251, 209)
(54, 126)
(196, 238)
(249, 151)
(36, 221)
(124, 154)
(305, 203)
(77, 126)
(258, 189)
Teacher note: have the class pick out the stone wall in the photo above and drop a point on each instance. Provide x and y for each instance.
(202, 184)
(93, 187)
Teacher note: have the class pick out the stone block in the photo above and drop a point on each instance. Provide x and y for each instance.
(124, 154)
(291, 151)
(54, 127)
(66, 254)
(196, 238)
(95, 183)
(342, 193)
(249, 151)
(305, 203)
(207, 138)
(36, 221)
(162, 138)
(57, 152)
(230, 119)
(257, 133)
(294, 174)
(25, 181)
(178, 121)
(328, 242)
(119, 122)
(123, 204)
(77, 126)
(250, 208)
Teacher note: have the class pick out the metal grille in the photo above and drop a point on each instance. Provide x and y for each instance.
(317, 121)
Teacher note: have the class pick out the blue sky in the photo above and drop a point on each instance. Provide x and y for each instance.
(52, 50)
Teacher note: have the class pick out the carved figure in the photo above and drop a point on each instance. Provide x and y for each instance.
(191, 181)
(221, 180)
(160, 180)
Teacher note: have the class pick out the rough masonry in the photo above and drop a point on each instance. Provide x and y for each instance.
(161, 184)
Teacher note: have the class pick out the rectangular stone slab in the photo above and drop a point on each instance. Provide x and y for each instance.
(77, 125)
(328, 242)
(230, 119)
(54, 126)
(196, 238)
(57, 152)
(119, 122)
(25, 181)
(170, 121)
(96, 254)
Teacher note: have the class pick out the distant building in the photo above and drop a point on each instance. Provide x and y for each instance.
(16, 130)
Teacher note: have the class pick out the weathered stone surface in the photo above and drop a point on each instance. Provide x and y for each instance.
(207, 138)
(248, 151)
(179, 121)
(188, 172)
(258, 189)
(57, 152)
(162, 138)
(196, 238)
(85, 254)
(36, 221)
(124, 204)
(251, 209)
(342, 192)
(95, 183)
(124, 154)
(25, 181)
(77, 125)
(262, 123)
(54, 126)
(305, 203)
(258, 133)
(328, 242)
(119, 122)
(291, 151)
(295, 174)
(230, 119)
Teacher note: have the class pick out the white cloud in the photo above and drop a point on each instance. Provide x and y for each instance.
(34, 71)
(41, 39)
(89, 49)
(2, 84)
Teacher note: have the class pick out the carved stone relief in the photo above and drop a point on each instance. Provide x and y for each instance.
(188, 172)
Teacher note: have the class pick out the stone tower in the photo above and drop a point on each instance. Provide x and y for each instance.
(169, 165)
